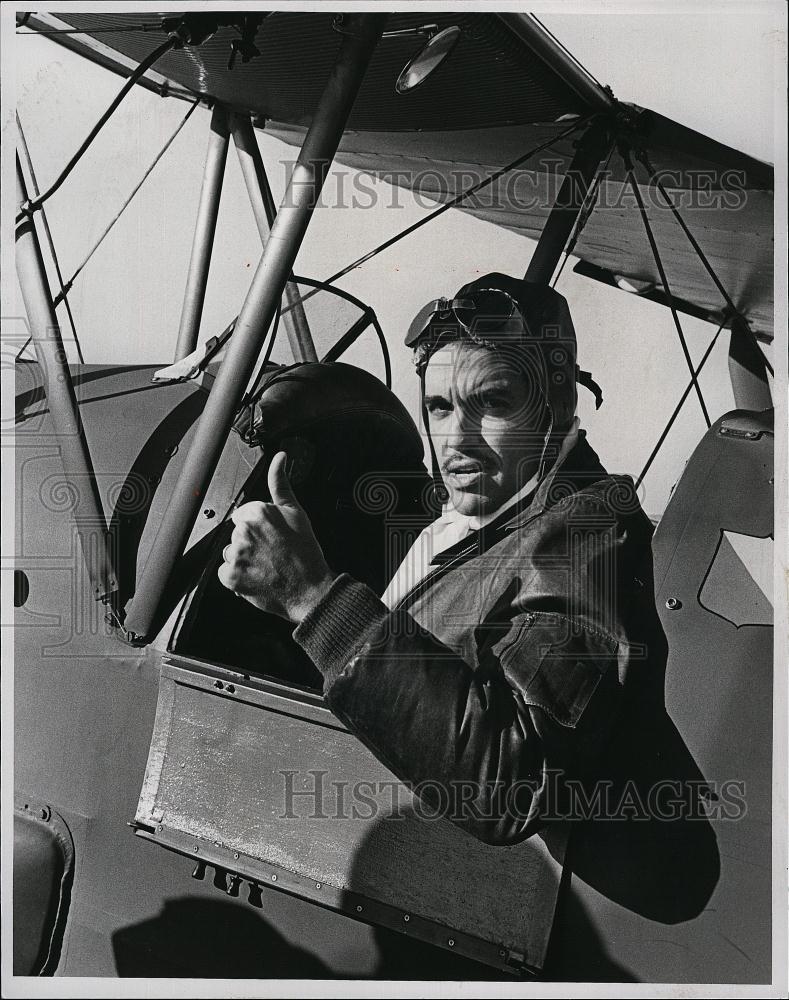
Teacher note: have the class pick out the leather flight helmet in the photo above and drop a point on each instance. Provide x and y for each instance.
(546, 334)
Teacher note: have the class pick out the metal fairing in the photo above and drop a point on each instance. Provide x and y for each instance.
(689, 900)
(268, 786)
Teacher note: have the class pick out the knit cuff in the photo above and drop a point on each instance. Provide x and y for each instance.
(337, 627)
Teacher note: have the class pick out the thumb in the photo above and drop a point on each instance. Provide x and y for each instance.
(278, 483)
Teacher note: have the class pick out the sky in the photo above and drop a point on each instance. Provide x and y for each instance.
(709, 66)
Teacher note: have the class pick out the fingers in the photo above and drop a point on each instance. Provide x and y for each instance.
(278, 483)
(228, 576)
(251, 513)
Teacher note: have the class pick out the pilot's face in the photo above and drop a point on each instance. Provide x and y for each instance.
(487, 421)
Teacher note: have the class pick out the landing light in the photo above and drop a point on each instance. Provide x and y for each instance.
(428, 59)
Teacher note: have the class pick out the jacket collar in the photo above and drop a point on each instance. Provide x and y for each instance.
(577, 470)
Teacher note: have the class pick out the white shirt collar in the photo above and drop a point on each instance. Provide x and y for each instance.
(452, 526)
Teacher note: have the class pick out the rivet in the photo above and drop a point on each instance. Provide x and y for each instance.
(406, 918)
(235, 855)
(502, 953)
(359, 909)
(230, 688)
(673, 604)
(451, 942)
(196, 849)
(218, 684)
(318, 885)
(159, 828)
(209, 512)
(273, 878)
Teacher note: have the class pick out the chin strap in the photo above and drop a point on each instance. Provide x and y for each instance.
(545, 443)
(442, 494)
(585, 379)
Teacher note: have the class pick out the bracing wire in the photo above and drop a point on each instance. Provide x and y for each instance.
(139, 71)
(664, 279)
(50, 242)
(452, 203)
(655, 179)
(128, 201)
(678, 407)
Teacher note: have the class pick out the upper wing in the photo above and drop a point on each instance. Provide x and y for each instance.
(493, 99)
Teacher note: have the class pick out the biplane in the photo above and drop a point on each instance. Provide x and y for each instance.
(178, 776)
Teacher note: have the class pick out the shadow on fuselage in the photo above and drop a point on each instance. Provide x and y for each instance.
(210, 939)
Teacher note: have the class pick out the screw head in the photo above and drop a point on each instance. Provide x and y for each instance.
(673, 604)
(209, 512)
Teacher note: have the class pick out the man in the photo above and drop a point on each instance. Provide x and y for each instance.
(507, 642)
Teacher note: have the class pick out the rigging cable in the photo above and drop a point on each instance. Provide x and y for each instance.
(625, 152)
(678, 407)
(328, 282)
(63, 297)
(141, 69)
(126, 203)
(655, 179)
(452, 203)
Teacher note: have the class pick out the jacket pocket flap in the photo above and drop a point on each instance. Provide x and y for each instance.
(571, 658)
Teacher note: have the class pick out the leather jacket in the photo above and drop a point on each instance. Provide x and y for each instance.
(511, 661)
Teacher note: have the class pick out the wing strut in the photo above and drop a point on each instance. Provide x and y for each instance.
(79, 477)
(259, 191)
(592, 147)
(257, 313)
(205, 228)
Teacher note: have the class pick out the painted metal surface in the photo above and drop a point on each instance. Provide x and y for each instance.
(689, 900)
(76, 463)
(232, 767)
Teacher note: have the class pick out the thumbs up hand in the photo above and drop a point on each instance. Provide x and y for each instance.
(274, 560)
